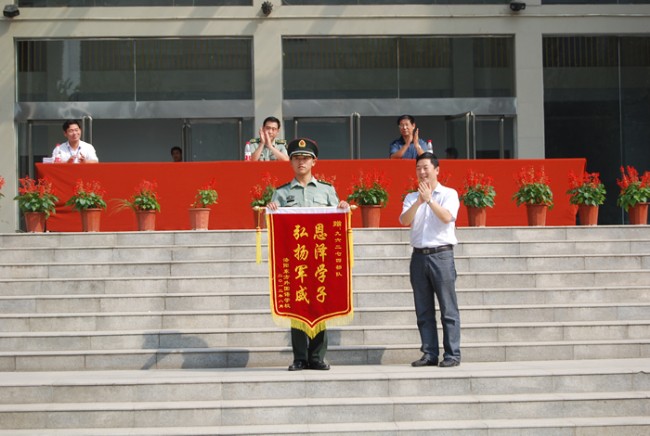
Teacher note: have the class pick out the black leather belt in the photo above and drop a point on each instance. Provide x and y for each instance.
(433, 250)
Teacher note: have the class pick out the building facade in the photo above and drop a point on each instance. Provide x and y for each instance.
(550, 80)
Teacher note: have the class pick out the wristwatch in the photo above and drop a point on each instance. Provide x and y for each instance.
(430, 200)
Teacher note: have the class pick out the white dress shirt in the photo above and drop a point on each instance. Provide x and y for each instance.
(427, 230)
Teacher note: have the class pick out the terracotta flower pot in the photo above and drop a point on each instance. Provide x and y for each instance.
(588, 215)
(90, 219)
(638, 213)
(34, 222)
(536, 214)
(476, 216)
(199, 218)
(259, 218)
(370, 216)
(146, 220)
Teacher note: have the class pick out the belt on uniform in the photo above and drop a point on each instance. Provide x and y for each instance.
(433, 250)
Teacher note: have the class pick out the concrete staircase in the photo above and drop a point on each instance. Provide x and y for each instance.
(555, 338)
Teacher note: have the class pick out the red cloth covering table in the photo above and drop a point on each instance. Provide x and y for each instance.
(178, 183)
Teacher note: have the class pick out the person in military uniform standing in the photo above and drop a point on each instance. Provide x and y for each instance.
(305, 191)
(267, 147)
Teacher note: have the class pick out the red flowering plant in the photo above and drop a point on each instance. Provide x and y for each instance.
(2, 183)
(145, 197)
(587, 190)
(36, 196)
(87, 195)
(205, 196)
(533, 187)
(325, 178)
(478, 190)
(634, 189)
(262, 193)
(369, 189)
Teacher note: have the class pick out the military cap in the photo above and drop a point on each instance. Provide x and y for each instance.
(303, 146)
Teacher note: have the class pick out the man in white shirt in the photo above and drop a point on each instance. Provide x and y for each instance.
(431, 212)
(74, 150)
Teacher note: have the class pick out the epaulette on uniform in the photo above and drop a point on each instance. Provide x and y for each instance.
(281, 141)
(325, 182)
(282, 186)
(254, 140)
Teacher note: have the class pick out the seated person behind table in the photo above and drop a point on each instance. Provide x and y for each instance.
(74, 150)
(409, 145)
(267, 147)
(177, 154)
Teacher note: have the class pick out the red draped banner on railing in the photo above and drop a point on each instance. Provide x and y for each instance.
(310, 261)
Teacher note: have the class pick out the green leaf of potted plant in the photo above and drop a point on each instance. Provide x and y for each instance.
(88, 199)
(534, 191)
(199, 211)
(634, 194)
(261, 196)
(145, 202)
(477, 194)
(37, 201)
(588, 192)
(369, 189)
(87, 195)
(369, 192)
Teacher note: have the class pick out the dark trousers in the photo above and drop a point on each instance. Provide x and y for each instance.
(306, 349)
(433, 276)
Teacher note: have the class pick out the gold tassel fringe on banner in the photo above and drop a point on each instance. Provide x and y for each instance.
(350, 239)
(258, 236)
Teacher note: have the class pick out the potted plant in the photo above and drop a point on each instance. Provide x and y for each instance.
(145, 203)
(37, 201)
(634, 194)
(534, 191)
(199, 211)
(477, 194)
(88, 199)
(369, 192)
(588, 192)
(261, 196)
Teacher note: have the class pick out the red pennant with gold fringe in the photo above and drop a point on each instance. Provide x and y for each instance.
(310, 259)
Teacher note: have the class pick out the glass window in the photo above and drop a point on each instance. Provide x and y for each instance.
(340, 68)
(203, 69)
(134, 70)
(419, 67)
(89, 3)
(388, 2)
(594, 2)
(597, 104)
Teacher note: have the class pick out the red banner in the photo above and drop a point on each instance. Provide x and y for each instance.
(310, 265)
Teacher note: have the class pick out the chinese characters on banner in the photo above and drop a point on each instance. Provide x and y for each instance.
(310, 263)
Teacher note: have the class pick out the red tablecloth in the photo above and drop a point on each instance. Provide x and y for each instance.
(178, 183)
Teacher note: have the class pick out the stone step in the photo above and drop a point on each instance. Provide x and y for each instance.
(465, 234)
(592, 426)
(134, 332)
(246, 251)
(360, 281)
(472, 378)
(233, 267)
(252, 357)
(193, 354)
(259, 299)
(341, 410)
(116, 318)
